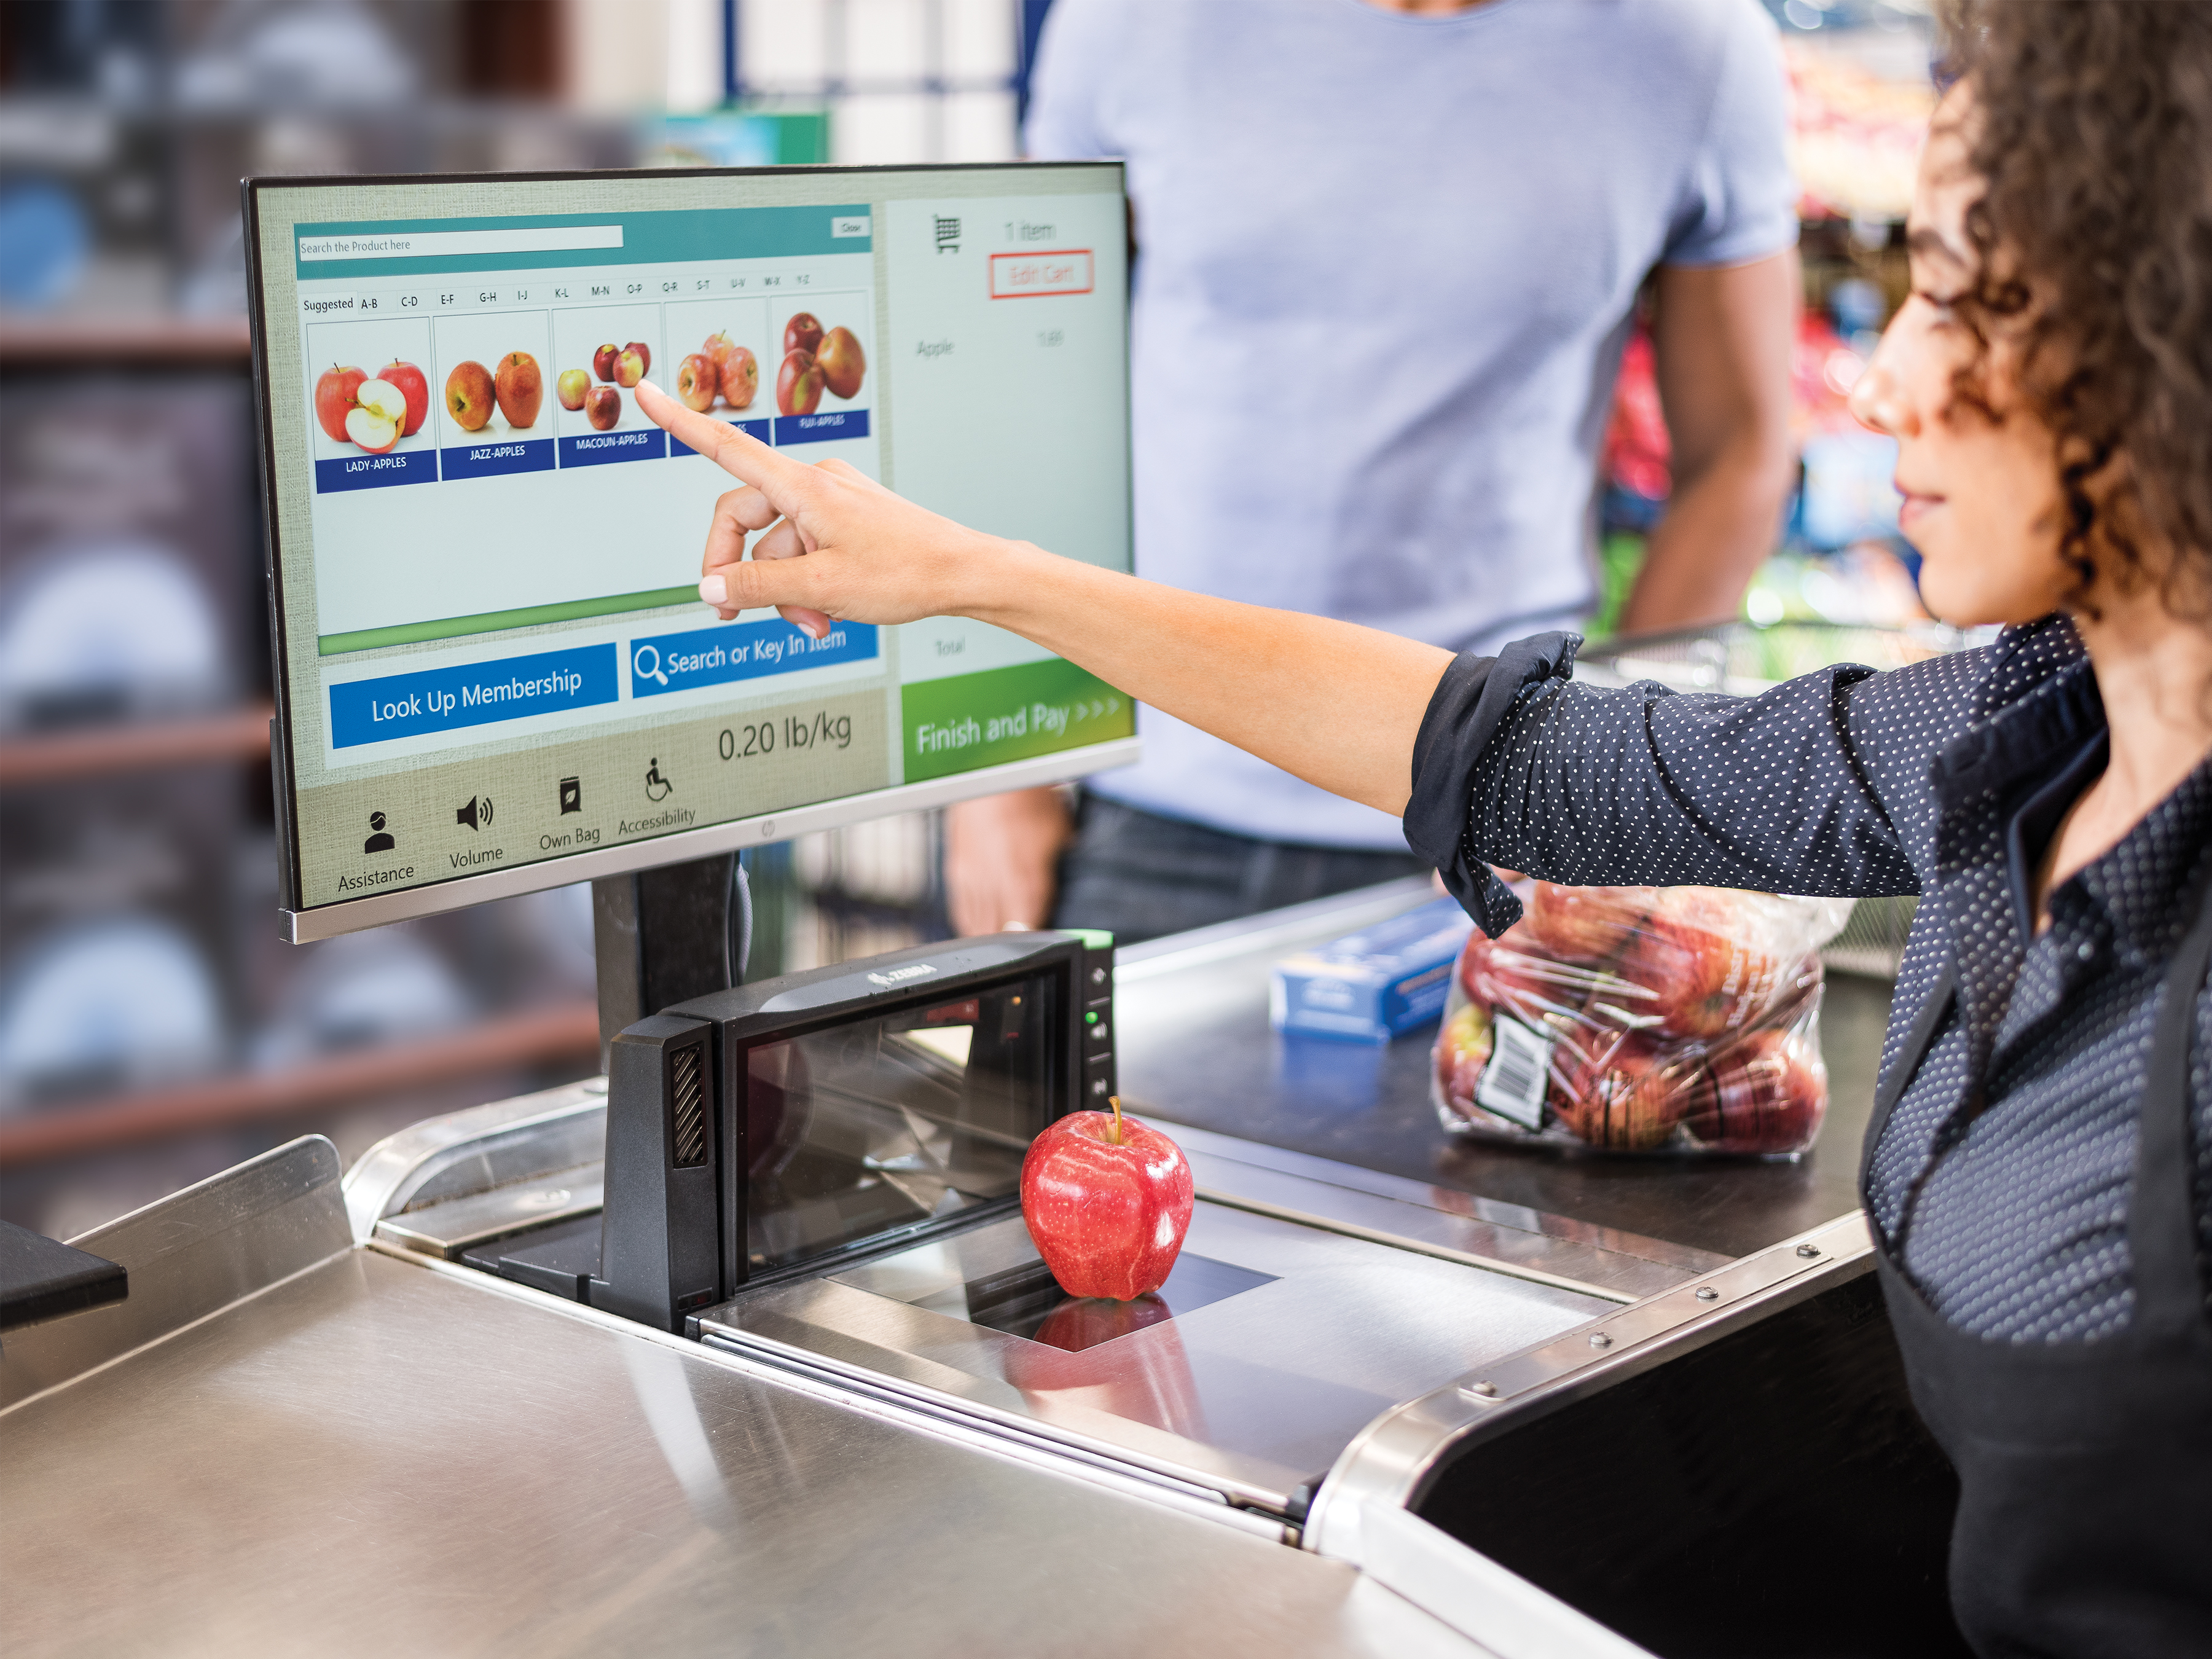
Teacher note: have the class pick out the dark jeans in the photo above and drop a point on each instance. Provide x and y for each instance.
(1139, 875)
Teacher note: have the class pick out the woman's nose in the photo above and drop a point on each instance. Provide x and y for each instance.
(1878, 399)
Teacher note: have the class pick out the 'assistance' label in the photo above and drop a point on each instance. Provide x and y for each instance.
(1512, 1084)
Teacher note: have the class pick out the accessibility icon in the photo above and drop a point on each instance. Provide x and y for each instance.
(657, 788)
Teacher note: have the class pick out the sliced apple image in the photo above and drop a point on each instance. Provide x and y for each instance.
(572, 387)
(799, 384)
(415, 385)
(697, 382)
(740, 378)
(470, 396)
(334, 392)
(603, 407)
(519, 388)
(842, 362)
(602, 362)
(378, 416)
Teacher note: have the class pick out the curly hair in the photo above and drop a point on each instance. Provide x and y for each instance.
(2093, 136)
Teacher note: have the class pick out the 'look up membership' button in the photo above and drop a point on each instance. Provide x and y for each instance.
(471, 694)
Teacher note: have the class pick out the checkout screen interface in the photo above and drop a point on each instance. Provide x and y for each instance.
(487, 557)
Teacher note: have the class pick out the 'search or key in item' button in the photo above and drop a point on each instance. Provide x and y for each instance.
(740, 651)
(434, 699)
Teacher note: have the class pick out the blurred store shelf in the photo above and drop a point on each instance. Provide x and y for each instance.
(238, 734)
(72, 340)
(538, 1037)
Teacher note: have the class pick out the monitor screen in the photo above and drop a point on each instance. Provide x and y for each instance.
(493, 670)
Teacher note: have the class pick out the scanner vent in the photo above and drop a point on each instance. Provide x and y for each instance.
(686, 1087)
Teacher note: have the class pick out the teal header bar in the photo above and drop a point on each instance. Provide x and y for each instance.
(576, 240)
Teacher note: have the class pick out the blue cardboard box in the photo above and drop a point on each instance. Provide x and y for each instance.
(1373, 985)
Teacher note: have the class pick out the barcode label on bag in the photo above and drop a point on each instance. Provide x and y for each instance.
(1512, 1084)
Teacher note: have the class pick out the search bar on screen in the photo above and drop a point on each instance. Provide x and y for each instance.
(429, 244)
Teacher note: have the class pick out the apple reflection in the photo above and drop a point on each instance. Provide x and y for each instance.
(1076, 1358)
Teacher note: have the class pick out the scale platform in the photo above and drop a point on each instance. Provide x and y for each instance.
(1310, 1299)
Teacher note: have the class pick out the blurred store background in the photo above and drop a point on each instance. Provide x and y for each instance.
(152, 1029)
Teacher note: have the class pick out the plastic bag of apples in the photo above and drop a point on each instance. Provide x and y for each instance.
(1642, 1019)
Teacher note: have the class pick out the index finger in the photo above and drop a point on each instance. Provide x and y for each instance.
(741, 455)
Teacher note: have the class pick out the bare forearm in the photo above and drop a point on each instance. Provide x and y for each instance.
(1719, 528)
(1724, 343)
(1332, 702)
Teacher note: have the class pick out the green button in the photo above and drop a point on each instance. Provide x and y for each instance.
(1093, 938)
(1091, 1019)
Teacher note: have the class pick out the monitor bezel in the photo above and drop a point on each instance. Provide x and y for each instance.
(298, 924)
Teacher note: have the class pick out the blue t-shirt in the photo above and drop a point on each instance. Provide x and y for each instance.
(1386, 267)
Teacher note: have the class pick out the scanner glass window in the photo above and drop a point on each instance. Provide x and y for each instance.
(884, 1121)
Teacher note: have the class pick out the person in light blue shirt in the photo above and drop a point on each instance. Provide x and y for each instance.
(1388, 252)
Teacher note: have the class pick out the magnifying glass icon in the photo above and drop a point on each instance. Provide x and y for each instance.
(637, 664)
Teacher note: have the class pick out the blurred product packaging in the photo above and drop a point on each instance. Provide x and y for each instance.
(1373, 985)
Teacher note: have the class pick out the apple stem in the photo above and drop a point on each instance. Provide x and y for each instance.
(1113, 1134)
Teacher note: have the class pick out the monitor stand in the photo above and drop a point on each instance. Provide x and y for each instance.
(667, 935)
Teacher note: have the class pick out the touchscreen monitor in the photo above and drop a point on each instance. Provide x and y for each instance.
(493, 673)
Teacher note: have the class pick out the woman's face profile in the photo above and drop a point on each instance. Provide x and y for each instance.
(1982, 501)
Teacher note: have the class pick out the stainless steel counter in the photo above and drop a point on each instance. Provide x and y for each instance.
(294, 1437)
(375, 1456)
(1194, 1048)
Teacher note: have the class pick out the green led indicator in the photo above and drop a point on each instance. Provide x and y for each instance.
(1091, 1018)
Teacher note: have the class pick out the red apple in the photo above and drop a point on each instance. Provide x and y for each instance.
(1108, 1201)
(379, 412)
(799, 384)
(717, 349)
(842, 362)
(697, 380)
(572, 387)
(1624, 1095)
(602, 362)
(803, 333)
(630, 365)
(1511, 972)
(469, 396)
(519, 385)
(1592, 923)
(334, 398)
(1765, 1094)
(740, 377)
(603, 407)
(415, 385)
(644, 354)
(1689, 952)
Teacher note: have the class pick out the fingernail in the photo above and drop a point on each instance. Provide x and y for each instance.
(714, 589)
(648, 385)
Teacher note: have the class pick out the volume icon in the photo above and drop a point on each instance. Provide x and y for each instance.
(476, 814)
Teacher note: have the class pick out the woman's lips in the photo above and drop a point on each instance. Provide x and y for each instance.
(1915, 507)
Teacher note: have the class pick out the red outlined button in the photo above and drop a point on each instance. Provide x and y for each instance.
(1025, 275)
